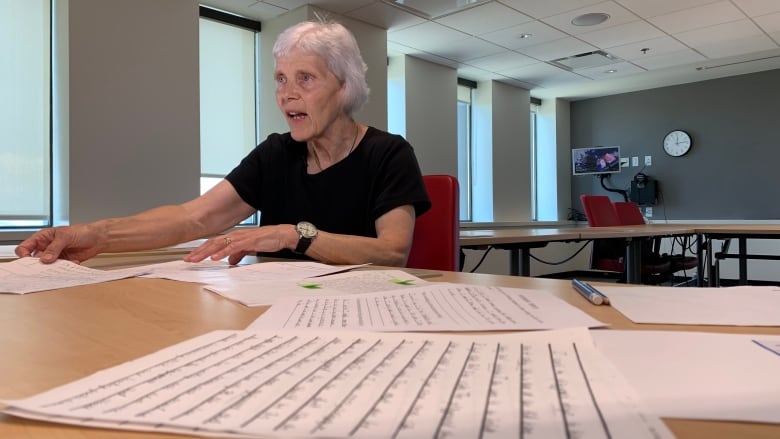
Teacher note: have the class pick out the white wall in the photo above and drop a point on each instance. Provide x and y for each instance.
(133, 106)
(431, 94)
(511, 153)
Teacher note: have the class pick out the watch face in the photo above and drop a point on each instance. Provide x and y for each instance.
(306, 229)
(677, 143)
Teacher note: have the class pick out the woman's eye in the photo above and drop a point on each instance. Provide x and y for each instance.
(281, 80)
(306, 77)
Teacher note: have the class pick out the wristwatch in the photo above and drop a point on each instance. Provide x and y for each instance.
(306, 234)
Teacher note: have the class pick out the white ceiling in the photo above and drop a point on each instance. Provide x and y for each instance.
(656, 42)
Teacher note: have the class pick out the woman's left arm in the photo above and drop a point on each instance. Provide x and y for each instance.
(391, 246)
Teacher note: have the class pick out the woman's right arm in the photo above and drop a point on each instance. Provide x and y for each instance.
(212, 212)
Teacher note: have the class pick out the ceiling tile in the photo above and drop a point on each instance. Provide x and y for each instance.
(428, 36)
(611, 71)
(655, 47)
(544, 75)
(699, 17)
(484, 18)
(467, 49)
(385, 16)
(557, 49)
(622, 34)
(652, 8)
(510, 37)
(680, 57)
(546, 8)
(769, 23)
(617, 15)
(502, 61)
(755, 8)
(727, 39)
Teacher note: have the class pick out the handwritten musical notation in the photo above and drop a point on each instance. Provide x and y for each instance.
(435, 306)
(544, 384)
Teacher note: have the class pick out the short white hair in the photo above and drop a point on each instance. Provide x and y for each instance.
(338, 48)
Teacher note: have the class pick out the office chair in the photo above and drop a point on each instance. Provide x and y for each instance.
(436, 242)
(609, 254)
(629, 214)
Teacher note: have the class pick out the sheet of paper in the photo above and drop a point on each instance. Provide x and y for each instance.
(352, 282)
(698, 375)
(29, 275)
(8, 252)
(742, 306)
(220, 273)
(432, 307)
(546, 384)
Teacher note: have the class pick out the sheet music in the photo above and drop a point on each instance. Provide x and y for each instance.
(547, 384)
(261, 293)
(436, 306)
(29, 275)
(220, 273)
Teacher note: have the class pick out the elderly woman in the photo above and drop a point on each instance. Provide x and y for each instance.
(331, 189)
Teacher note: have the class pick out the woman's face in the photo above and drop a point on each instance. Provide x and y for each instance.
(308, 94)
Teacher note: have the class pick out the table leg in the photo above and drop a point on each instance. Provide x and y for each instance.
(742, 261)
(700, 260)
(634, 261)
(520, 261)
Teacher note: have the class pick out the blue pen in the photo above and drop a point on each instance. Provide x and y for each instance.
(593, 295)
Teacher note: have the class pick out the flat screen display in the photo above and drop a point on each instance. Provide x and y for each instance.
(595, 160)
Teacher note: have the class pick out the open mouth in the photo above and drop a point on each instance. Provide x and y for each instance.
(296, 116)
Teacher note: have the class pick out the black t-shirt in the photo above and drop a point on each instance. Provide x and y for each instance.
(381, 174)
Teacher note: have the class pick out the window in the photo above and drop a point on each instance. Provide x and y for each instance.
(228, 96)
(25, 113)
(465, 90)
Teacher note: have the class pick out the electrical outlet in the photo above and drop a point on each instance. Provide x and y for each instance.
(648, 160)
(635, 161)
(623, 162)
(649, 212)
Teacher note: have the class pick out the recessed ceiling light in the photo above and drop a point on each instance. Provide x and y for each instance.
(524, 36)
(590, 19)
(611, 71)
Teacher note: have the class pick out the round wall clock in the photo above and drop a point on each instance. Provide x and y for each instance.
(677, 143)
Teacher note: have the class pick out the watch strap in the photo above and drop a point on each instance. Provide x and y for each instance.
(303, 244)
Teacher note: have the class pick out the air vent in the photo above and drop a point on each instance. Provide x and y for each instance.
(586, 60)
(433, 9)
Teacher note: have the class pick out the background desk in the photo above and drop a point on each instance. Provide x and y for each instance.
(519, 241)
(51, 338)
(740, 232)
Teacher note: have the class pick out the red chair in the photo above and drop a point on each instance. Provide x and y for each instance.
(609, 254)
(599, 210)
(628, 213)
(436, 242)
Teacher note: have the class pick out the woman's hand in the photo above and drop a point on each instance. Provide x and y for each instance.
(73, 243)
(235, 245)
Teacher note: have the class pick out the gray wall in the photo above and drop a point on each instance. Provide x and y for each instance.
(731, 170)
(133, 106)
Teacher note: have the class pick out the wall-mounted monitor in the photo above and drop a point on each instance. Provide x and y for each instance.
(595, 160)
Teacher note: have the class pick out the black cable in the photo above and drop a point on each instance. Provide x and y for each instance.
(609, 189)
(563, 261)
(482, 259)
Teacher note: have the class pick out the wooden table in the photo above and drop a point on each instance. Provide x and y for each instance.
(50, 338)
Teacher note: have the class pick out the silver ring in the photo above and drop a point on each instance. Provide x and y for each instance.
(228, 241)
